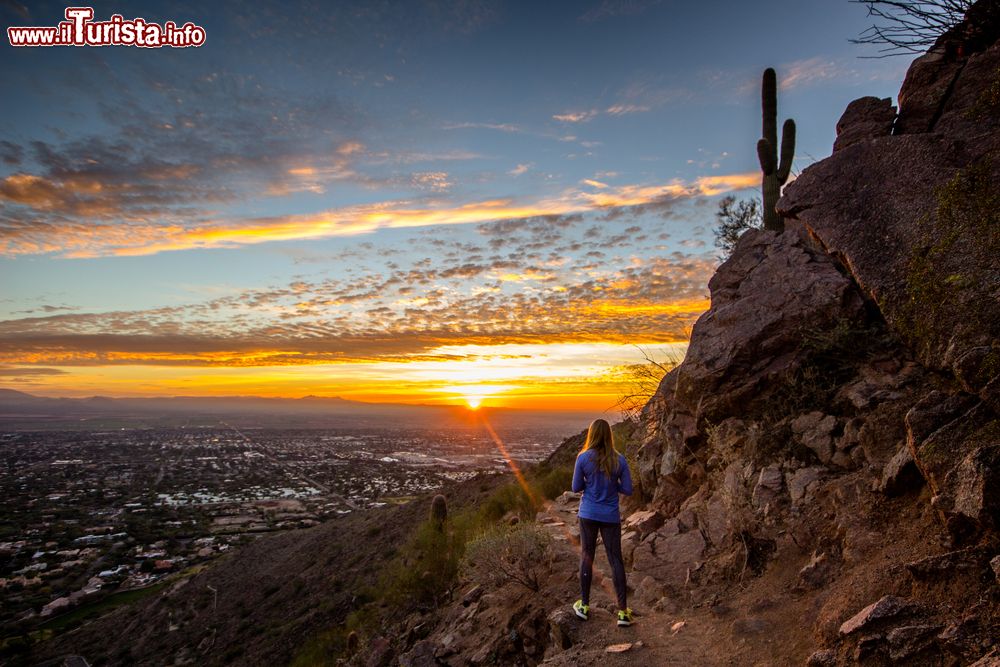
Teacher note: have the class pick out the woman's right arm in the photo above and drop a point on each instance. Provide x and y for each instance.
(625, 479)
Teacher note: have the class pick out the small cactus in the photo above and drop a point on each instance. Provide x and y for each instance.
(775, 171)
(439, 511)
(353, 643)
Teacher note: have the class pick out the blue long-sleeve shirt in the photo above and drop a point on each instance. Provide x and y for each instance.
(600, 494)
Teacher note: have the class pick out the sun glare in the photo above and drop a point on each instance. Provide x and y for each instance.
(473, 402)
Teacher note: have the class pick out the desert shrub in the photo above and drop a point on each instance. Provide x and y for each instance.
(831, 358)
(508, 498)
(735, 217)
(321, 649)
(332, 646)
(504, 554)
(554, 481)
(641, 381)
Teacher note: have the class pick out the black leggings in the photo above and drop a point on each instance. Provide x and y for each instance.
(611, 535)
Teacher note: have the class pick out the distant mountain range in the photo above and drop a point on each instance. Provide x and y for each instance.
(20, 411)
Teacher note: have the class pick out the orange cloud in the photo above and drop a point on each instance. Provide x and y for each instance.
(133, 239)
(575, 116)
(714, 185)
(532, 375)
(621, 308)
(638, 195)
(44, 195)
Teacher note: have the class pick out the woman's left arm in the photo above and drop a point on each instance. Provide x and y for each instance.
(578, 477)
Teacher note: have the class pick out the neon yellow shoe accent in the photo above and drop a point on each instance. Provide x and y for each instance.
(624, 617)
(582, 610)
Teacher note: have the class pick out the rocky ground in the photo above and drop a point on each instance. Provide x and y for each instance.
(779, 610)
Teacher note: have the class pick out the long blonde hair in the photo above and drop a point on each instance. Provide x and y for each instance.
(601, 439)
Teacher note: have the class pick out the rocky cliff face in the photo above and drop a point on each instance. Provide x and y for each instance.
(914, 216)
(849, 361)
(821, 474)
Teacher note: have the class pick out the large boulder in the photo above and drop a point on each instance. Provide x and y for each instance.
(887, 607)
(914, 217)
(669, 557)
(955, 442)
(773, 289)
(928, 193)
(949, 77)
(864, 118)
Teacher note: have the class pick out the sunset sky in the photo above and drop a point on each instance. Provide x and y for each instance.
(391, 201)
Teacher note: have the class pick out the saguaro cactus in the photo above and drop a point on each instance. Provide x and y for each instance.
(775, 171)
(439, 511)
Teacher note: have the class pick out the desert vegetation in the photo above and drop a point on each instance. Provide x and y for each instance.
(502, 554)
(491, 541)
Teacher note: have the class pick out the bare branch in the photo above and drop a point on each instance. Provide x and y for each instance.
(643, 381)
(909, 26)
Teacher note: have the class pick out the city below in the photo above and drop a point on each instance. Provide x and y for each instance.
(95, 518)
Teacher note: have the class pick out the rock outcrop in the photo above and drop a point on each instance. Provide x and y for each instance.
(864, 118)
(774, 293)
(849, 365)
(930, 258)
(915, 218)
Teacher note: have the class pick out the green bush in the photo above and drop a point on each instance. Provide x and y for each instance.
(554, 482)
(504, 554)
(330, 646)
(543, 483)
(508, 498)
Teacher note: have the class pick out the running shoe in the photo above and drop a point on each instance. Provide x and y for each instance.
(624, 617)
(582, 610)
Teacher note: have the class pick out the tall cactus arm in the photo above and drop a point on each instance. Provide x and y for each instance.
(787, 150)
(769, 106)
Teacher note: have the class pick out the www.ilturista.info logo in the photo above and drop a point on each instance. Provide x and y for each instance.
(79, 29)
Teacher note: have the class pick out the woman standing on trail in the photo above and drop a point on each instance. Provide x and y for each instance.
(601, 473)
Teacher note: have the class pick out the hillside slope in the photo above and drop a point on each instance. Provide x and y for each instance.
(260, 605)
